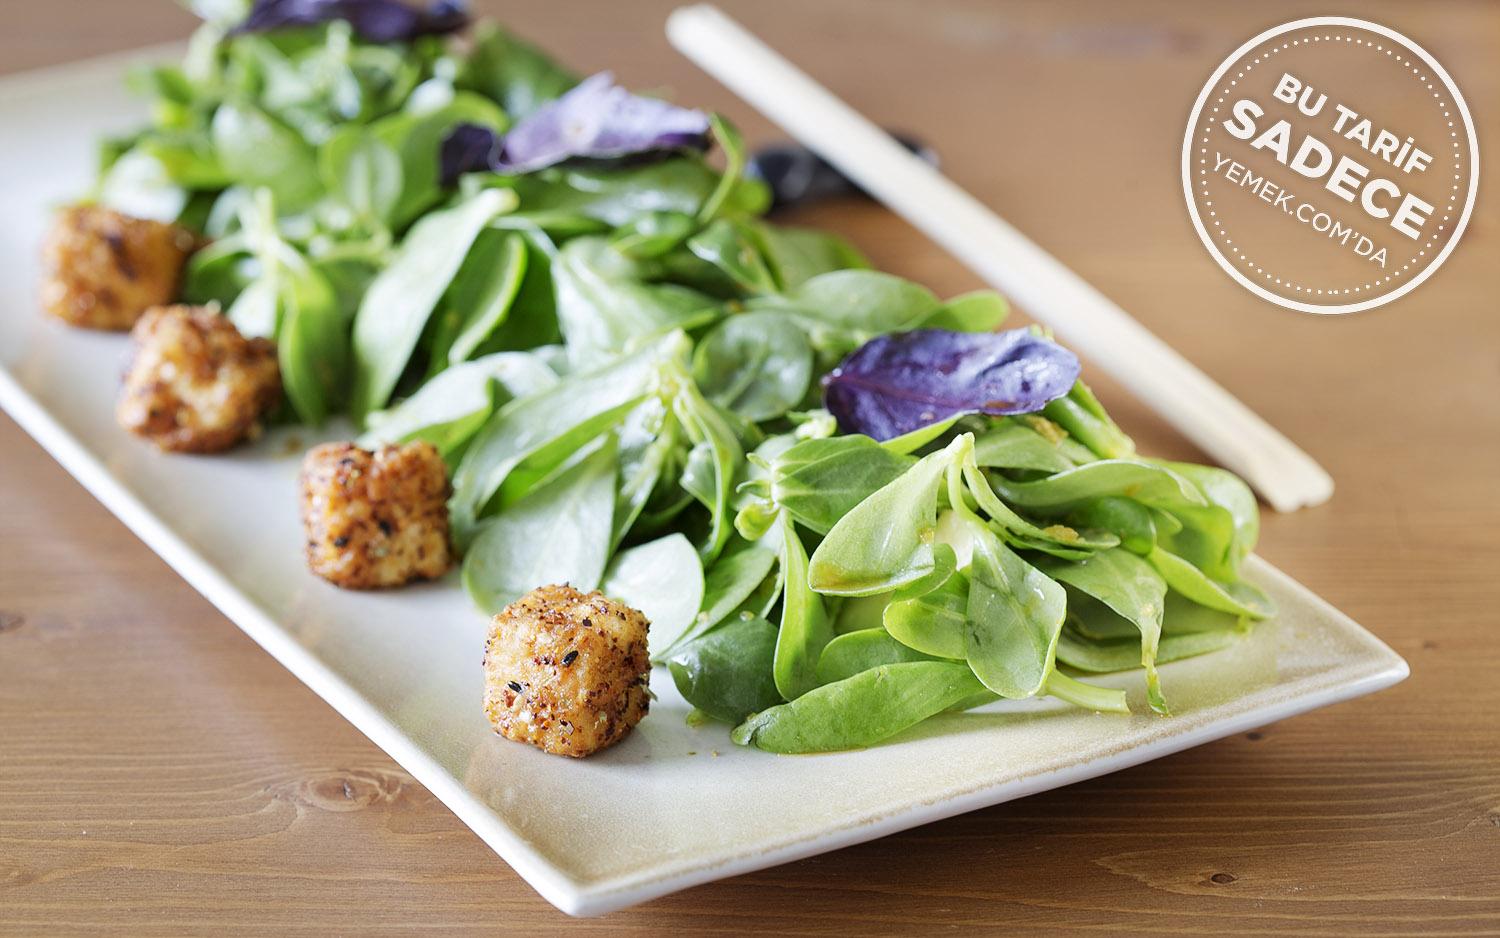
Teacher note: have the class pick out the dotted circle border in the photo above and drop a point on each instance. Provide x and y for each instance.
(1200, 118)
(1452, 197)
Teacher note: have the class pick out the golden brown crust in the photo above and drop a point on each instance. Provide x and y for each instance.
(102, 269)
(195, 385)
(375, 519)
(566, 671)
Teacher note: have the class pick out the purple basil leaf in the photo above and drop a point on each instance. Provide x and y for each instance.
(468, 148)
(373, 20)
(901, 382)
(797, 175)
(597, 119)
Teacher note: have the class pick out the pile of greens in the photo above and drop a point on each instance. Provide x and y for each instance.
(845, 504)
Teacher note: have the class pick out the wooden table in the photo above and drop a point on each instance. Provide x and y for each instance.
(160, 774)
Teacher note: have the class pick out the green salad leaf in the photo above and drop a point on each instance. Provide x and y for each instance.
(397, 305)
(558, 533)
(727, 673)
(885, 541)
(663, 579)
(1131, 588)
(861, 710)
(805, 628)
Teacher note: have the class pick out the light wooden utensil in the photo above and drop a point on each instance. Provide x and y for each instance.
(1087, 320)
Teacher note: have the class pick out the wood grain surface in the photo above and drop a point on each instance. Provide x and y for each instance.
(161, 775)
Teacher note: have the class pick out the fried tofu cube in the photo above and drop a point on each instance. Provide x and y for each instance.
(375, 519)
(195, 385)
(103, 270)
(567, 672)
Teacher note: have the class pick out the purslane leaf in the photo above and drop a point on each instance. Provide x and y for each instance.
(727, 673)
(862, 710)
(603, 306)
(1241, 599)
(664, 580)
(757, 364)
(805, 628)
(729, 584)
(545, 428)
(1015, 614)
(455, 395)
(886, 541)
(820, 481)
(855, 652)
(398, 303)
(1128, 585)
(558, 533)
(312, 346)
(931, 622)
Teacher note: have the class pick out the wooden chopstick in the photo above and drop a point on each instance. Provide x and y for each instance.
(1087, 320)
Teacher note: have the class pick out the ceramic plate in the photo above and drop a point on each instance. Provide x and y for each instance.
(673, 805)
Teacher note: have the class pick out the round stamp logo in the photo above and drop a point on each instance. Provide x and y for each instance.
(1330, 165)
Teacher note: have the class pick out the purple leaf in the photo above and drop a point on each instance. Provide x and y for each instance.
(901, 382)
(797, 175)
(373, 20)
(468, 147)
(597, 119)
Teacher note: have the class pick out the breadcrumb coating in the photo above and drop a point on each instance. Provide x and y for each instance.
(103, 270)
(375, 519)
(195, 385)
(566, 671)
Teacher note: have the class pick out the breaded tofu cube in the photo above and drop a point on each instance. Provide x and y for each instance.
(375, 519)
(195, 385)
(566, 671)
(102, 269)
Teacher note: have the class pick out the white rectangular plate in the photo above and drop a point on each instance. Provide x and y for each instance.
(673, 805)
